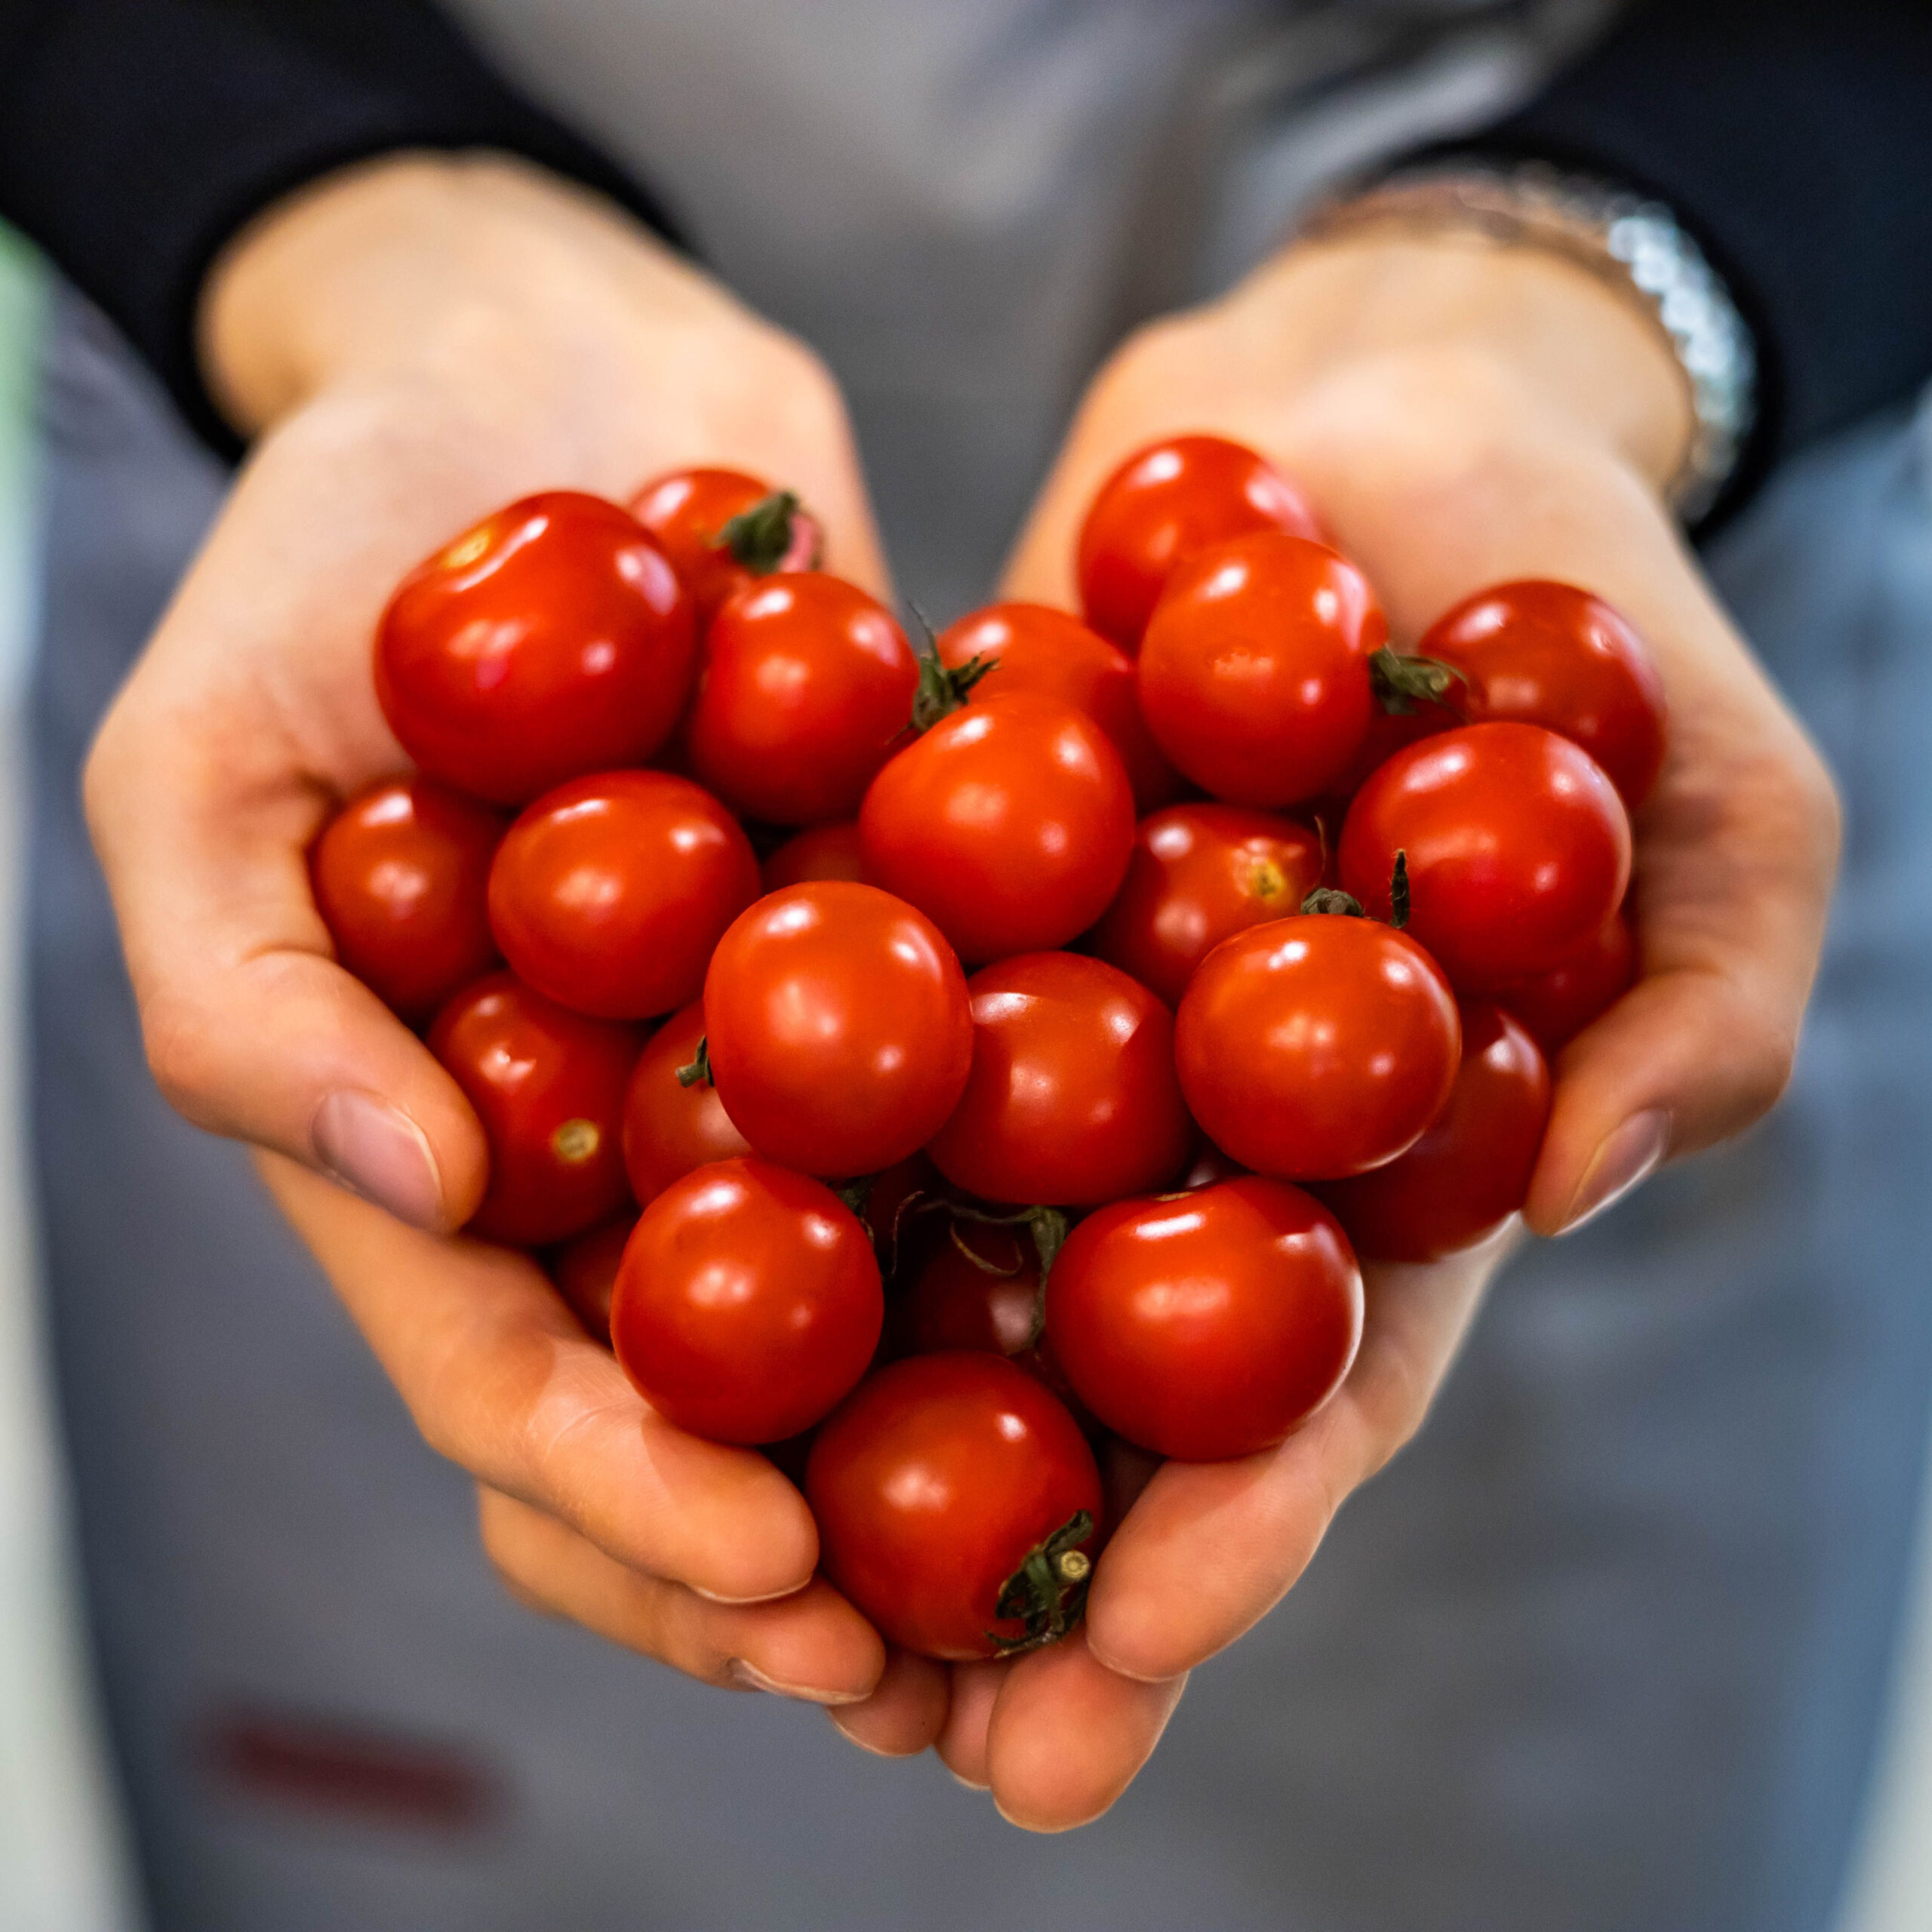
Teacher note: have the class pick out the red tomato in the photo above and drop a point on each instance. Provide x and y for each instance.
(548, 1085)
(608, 894)
(1162, 505)
(1255, 672)
(933, 1483)
(838, 1026)
(1208, 1324)
(1072, 1098)
(693, 514)
(1032, 647)
(1199, 873)
(399, 876)
(670, 1128)
(1556, 1006)
(826, 851)
(990, 1304)
(1009, 824)
(1317, 1046)
(585, 1270)
(747, 1303)
(552, 639)
(1518, 848)
(890, 1208)
(807, 684)
(1389, 732)
(1470, 1171)
(1550, 654)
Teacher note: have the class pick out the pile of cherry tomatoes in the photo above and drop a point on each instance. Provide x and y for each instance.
(923, 1059)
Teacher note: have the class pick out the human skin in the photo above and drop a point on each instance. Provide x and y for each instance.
(413, 342)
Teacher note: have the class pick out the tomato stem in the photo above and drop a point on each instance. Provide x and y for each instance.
(1403, 685)
(761, 537)
(698, 1072)
(941, 692)
(1048, 1592)
(1399, 891)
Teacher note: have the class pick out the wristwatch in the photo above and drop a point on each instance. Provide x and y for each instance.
(1634, 246)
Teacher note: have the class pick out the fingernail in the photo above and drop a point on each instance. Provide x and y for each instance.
(750, 1678)
(862, 1744)
(376, 1151)
(1626, 1157)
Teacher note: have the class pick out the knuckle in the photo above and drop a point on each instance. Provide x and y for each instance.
(181, 1041)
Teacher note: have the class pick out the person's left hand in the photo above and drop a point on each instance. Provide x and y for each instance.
(1461, 417)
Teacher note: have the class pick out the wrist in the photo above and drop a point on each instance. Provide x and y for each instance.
(1519, 340)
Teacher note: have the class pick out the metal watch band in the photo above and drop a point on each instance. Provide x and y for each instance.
(1633, 245)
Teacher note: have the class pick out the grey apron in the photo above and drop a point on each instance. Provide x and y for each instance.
(1603, 1652)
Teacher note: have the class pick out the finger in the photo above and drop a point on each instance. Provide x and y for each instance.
(1068, 1736)
(905, 1712)
(1210, 1548)
(812, 1645)
(962, 1738)
(501, 1378)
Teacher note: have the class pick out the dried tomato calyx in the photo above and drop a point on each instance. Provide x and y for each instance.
(761, 537)
(1403, 685)
(1047, 1594)
(1332, 899)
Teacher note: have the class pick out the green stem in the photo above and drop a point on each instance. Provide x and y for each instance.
(1048, 1592)
(698, 1072)
(760, 537)
(1403, 685)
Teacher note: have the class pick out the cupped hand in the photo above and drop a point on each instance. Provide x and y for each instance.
(417, 342)
(1461, 415)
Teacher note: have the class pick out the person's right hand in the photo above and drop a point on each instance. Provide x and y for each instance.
(418, 342)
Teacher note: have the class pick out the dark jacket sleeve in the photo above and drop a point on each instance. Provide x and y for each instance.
(137, 136)
(1794, 140)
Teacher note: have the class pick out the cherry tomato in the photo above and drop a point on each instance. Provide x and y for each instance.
(1208, 1324)
(933, 1483)
(551, 639)
(747, 1303)
(889, 1208)
(1556, 1006)
(1389, 732)
(1199, 873)
(1317, 1046)
(1162, 505)
(1009, 824)
(1517, 849)
(721, 528)
(1072, 1098)
(1550, 654)
(585, 1270)
(807, 684)
(824, 851)
(548, 1085)
(1470, 1171)
(1032, 647)
(979, 1288)
(608, 894)
(1255, 672)
(399, 876)
(838, 1026)
(670, 1128)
